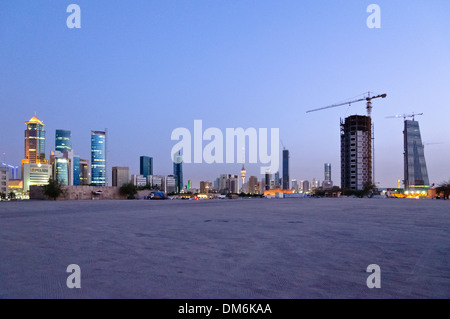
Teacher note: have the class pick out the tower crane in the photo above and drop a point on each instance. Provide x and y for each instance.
(405, 116)
(368, 100)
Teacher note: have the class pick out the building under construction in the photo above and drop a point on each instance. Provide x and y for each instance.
(356, 152)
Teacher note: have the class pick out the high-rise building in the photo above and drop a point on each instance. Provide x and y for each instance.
(306, 186)
(76, 171)
(416, 173)
(229, 183)
(178, 171)
(85, 178)
(253, 185)
(4, 180)
(267, 181)
(217, 184)
(34, 142)
(98, 158)
(146, 166)
(60, 166)
(294, 185)
(171, 184)
(63, 140)
(35, 167)
(286, 169)
(277, 180)
(120, 176)
(327, 172)
(189, 185)
(356, 152)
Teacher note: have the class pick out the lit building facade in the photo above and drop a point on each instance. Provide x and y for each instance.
(416, 173)
(98, 158)
(60, 165)
(35, 167)
(35, 142)
(4, 180)
(253, 187)
(356, 152)
(63, 140)
(85, 176)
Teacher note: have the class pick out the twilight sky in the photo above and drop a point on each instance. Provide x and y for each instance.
(144, 68)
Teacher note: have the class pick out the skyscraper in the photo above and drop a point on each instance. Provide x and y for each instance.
(416, 173)
(178, 171)
(120, 176)
(356, 152)
(327, 172)
(35, 142)
(253, 185)
(60, 166)
(98, 158)
(286, 169)
(63, 140)
(84, 172)
(35, 168)
(146, 166)
(76, 170)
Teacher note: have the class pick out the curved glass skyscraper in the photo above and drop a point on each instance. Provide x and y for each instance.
(98, 158)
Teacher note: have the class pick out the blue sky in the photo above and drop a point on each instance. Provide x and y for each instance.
(143, 68)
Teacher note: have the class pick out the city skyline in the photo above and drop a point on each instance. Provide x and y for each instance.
(268, 63)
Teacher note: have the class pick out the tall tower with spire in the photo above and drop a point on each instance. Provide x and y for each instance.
(243, 171)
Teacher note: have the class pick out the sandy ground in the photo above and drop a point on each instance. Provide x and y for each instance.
(289, 249)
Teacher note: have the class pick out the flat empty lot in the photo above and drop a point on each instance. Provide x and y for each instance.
(292, 248)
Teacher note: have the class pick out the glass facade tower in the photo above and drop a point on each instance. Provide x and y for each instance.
(98, 158)
(63, 140)
(35, 142)
(146, 166)
(416, 173)
(178, 171)
(286, 169)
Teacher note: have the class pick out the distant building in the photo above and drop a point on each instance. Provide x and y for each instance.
(205, 187)
(217, 184)
(229, 183)
(35, 175)
(84, 172)
(178, 171)
(277, 182)
(306, 187)
(327, 172)
(253, 185)
(157, 182)
(120, 176)
(63, 140)
(76, 171)
(171, 184)
(138, 180)
(14, 171)
(60, 167)
(267, 181)
(146, 166)
(35, 142)
(35, 168)
(294, 185)
(416, 173)
(189, 185)
(356, 152)
(98, 158)
(4, 180)
(286, 180)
